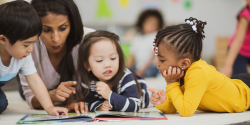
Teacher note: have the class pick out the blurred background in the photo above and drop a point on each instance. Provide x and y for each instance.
(120, 17)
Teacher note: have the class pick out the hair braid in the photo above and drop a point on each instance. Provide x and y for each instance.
(184, 38)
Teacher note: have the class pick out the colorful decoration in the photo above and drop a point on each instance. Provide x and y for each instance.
(123, 3)
(103, 10)
(188, 4)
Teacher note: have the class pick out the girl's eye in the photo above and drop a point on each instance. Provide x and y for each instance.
(26, 45)
(113, 58)
(162, 61)
(62, 29)
(46, 30)
(99, 61)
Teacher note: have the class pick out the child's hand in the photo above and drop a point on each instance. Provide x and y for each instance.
(103, 89)
(105, 106)
(173, 74)
(77, 106)
(157, 97)
(57, 110)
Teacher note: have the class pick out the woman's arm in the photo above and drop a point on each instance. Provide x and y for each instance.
(235, 46)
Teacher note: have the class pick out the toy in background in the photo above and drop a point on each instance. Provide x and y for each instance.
(239, 46)
(142, 58)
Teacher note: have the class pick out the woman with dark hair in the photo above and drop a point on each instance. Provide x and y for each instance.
(55, 52)
(141, 59)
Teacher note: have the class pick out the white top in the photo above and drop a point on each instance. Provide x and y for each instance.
(25, 66)
(141, 48)
(45, 69)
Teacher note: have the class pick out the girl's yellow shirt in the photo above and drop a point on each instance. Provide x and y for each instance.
(205, 89)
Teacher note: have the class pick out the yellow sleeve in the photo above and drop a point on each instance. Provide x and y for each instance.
(167, 106)
(195, 86)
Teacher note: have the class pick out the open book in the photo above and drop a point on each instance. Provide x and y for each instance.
(92, 116)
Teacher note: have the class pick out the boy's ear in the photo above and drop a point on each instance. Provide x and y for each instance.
(87, 66)
(185, 63)
(3, 39)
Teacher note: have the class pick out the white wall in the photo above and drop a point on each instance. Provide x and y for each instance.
(220, 15)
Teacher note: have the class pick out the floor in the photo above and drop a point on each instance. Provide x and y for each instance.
(17, 108)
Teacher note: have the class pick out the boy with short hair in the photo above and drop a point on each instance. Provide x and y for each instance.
(20, 27)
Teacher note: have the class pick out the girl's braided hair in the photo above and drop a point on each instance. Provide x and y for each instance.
(183, 39)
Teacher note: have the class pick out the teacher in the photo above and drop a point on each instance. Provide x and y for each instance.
(55, 51)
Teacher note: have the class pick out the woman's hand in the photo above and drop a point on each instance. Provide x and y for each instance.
(157, 97)
(64, 90)
(105, 106)
(103, 89)
(78, 107)
(57, 110)
(173, 74)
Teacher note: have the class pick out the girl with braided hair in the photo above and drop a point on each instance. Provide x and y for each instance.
(192, 84)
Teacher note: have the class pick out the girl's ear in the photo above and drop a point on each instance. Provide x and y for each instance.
(185, 63)
(3, 39)
(87, 66)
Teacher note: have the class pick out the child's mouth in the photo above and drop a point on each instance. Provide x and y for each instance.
(107, 73)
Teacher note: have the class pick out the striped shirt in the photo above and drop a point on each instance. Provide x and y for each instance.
(127, 99)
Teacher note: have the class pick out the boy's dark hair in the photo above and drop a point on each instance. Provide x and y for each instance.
(182, 39)
(19, 21)
(86, 76)
(68, 8)
(148, 13)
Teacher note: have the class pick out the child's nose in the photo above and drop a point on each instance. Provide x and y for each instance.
(107, 64)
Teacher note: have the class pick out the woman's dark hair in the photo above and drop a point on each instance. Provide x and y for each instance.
(68, 8)
(86, 76)
(182, 39)
(19, 21)
(148, 13)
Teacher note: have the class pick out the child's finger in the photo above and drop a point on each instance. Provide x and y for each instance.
(152, 90)
(174, 71)
(162, 92)
(178, 71)
(181, 74)
(76, 107)
(170, 71)
(165, 74)
(154, 95)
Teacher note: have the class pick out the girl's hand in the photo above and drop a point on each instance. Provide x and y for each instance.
(57, 110)
(77, 106)
(157, 97)
(105, 106)
(103, 89)
(173, 74)
(64, 90)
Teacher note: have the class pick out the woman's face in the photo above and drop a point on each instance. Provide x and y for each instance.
(150, 25)
(56, 29)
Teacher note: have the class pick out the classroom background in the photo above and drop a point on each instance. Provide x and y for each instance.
(120, 16)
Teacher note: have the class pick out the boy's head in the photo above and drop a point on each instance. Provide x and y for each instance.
(18, 23)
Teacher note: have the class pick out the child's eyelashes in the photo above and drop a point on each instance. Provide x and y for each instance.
(26, 45)
(99, 61)
(162, 61)
(113, 58)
